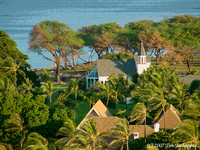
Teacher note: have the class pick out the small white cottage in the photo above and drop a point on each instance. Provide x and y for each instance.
(105, 67)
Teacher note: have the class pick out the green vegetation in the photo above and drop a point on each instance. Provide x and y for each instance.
(38, 113)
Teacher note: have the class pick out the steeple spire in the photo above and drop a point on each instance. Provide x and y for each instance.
(141, 51)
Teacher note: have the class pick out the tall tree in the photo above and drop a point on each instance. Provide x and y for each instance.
(187, 133)
(183, 33)
(53, 37)
(35, 141)
(4, 146)
(12, 66)
(15, 124)
(105, 91)
(121, 131)
(49, 89)
(139, 114)
(87, 137)
(73, 88)
(117, 87)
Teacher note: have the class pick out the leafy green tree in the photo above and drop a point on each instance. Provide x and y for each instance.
(121, 131)
(179, 94)
(183, 33)
(8, 48)
(187, 133)
(53, 37)
(194, 86)
(26, 86)
(154, 88)
(4, 146)
(139, 114)
(45, 76)
(73, 88)
(117, 88)
(35, 141)
(12, 66)
(6, 86)
(87, 137)
(49, 89)
(15, 124)
(192, 110)
(101, 39)
(91, 97)
(66, 133)
(105, 91)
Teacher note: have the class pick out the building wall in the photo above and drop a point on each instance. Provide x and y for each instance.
(142, 67)
(103, 79)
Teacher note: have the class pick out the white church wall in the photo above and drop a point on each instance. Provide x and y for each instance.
(142, 67)
(103, 79)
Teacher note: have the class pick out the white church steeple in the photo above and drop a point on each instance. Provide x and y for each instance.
(142, 63)
(142, 57)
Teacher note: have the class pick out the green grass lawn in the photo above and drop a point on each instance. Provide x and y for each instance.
(83, 109)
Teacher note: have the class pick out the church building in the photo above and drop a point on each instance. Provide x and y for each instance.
(105, 67)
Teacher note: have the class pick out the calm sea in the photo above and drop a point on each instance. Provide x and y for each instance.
(17, 17)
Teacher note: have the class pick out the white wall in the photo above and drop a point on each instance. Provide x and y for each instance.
(103, 79)
(142, 67)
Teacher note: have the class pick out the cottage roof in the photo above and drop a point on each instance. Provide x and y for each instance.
(140, 129)
(106, 67)
(172, 118)
(104, 123)
(99, 110)
(102, 109)
(141, 51)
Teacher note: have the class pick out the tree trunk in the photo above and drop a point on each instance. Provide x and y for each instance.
(127, 147)
(145, 131)
(107, 100)
(15, 82)
(21, 144)
(58, 71)
(50, 98)
(188, 65)
(157, 57)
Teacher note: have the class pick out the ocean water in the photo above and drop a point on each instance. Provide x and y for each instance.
(17, 17)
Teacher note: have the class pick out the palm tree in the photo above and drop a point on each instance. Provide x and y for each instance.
(4, 146)
(15, 124)
(49, 89)
(12, 66)
(87, 137)
(187, 133)
(117, 87)
(91, 97)
(73, 87)
(66, 132)
(26, 86)
(160, 105)
(154, 89)
(192, 110)
(121, 131)
(106, 91)
(35, 141)
(6, 86)
(179, 93)
(139, 114)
